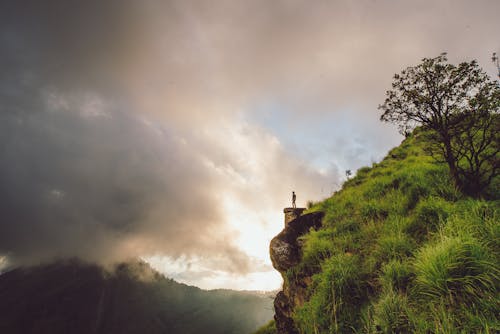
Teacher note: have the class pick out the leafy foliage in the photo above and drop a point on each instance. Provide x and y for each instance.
(460, 104)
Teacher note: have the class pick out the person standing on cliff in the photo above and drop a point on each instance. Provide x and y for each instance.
(294, 197)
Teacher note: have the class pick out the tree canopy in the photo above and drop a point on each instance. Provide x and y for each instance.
(460, 105)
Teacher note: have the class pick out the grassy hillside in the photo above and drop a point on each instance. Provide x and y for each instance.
(402, 251)
(72, 297)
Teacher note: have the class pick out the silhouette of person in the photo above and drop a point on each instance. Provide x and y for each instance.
(294, 197)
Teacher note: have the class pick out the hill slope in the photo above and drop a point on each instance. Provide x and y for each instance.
(73, 297)
(400, 250)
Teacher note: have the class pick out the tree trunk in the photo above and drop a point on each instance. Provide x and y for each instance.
(452, 162)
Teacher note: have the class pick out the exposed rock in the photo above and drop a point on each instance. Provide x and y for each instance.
(285, 252)
(284, 323)
(292, 213)
(285, 248)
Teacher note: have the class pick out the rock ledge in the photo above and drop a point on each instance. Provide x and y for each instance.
(285, 252)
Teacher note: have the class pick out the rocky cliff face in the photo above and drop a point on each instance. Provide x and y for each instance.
(285, 252)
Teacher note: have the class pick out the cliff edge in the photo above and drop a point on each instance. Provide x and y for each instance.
(285, 252)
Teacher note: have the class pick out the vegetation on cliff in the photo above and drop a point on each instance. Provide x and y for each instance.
(402, 250)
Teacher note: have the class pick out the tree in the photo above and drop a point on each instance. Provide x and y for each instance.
(460, 106)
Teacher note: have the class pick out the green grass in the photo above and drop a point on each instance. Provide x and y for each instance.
(335, 290)
(396, 276)
(392, 314)
(456, 270)
(402, 250)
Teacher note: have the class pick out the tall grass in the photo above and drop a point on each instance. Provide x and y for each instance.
(456, 270)
(429, 214)
(392, 314)
(396, 276)
(401, 250)
(336, 291)
(394, 246)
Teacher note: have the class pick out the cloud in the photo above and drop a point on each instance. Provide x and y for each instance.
(156, 127)
(86, 177)
(88, 173)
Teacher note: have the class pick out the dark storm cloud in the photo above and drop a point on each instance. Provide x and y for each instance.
(85, 177)
(82, 174)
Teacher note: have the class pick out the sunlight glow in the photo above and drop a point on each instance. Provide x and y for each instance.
(252, 231)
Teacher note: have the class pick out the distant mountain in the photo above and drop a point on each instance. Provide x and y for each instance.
(73, 297)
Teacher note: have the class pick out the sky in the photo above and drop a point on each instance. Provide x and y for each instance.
(175, 131)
